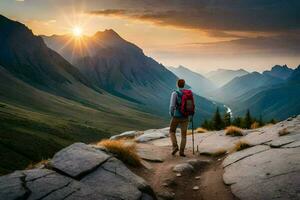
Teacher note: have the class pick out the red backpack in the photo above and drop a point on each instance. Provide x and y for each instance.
(187, 105)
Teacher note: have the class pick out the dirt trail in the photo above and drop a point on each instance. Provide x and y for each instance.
(168, 186)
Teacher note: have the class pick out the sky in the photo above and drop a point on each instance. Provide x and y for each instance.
(203, 35)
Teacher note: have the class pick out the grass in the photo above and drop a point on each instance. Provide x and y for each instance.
(233, 131)
(255, 125)
(283, 132)
(38, 164)
(124, 150)
(217, 153)
(240, 145)
(201, 130)
(198, 130)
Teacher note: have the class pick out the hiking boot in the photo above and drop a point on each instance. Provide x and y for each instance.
(182, 154)
(175, 151)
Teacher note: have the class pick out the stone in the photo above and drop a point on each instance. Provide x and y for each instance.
(153, 134)
(45, 185)
(127, 134)
(11, 186)
(196, 188)
(270, 174)
(281, 141)
(178, 175)
(183, 168)
(148, 155)
(239, 155)
(197, 177)
(292, 145)
(78, 159)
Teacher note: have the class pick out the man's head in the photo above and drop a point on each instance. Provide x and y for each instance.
(180, 83)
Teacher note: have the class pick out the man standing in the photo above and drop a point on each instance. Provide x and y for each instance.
(181, 107)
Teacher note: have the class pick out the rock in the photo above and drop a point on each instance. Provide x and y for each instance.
(178, 175)
(269, 174)
(237, 156)
(166, 195)
(78, 159)
(41, 187)
(183, 168)
(149, 155)
(11, 186)
(281, 141)
(197, 177)
(127, 134)
(153, 134)
(115, 179)
(196, 188)
(292, 145)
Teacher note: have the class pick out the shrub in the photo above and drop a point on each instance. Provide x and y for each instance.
(38, 164)
(201, 130)
(233, 131)
(255, 125)
(241, 145)
(124, 150)
(217, 153)
(283, 132)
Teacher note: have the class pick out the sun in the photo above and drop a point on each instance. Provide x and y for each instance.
(77, 31)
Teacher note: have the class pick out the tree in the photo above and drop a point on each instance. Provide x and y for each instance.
(237, 121)
(207, 125)
(217, 121)
(261, 121)
(227, 119)
(247, 120)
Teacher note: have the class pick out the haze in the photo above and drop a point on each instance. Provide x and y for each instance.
(201, 35)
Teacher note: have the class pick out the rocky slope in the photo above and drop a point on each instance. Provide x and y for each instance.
(79, 171)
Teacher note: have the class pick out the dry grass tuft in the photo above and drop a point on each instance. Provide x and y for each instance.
(124, 150)
(217, 153)
(255, 125)
(241, 145)
(283, 132)
(233, 131)
(198, 130)
(42, 163)
(201, 130)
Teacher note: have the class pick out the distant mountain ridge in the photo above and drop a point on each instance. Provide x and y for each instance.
(222, 76)
(283, 72)
(200, 84)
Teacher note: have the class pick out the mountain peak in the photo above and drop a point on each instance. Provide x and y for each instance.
(108, 34)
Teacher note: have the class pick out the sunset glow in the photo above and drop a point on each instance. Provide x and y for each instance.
(77, 31)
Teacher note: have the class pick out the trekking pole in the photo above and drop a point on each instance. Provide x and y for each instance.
(193, 134)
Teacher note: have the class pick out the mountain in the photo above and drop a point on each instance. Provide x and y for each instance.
(199, 84)
(122, 69)
(244, 84)
(274, 101)
(283, 72)
(47, 104)
(222, 76)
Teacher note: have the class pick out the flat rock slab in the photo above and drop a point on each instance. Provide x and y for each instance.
(269, 174)
(292, 145)
(281, 141)
(11, 186)
(78, 159)
(232, 158)
(150, 153)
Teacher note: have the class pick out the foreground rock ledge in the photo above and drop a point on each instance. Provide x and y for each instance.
(77, 172)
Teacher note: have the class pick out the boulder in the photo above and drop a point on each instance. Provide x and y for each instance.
(127, 134)
(11, 186)
(267, 174)
(78, 159)
(183, 168)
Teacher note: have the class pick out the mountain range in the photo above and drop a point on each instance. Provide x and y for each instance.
(222, 76)
(199, 84)
(48, 100)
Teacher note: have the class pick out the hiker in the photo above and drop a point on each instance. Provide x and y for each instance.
(181, 107)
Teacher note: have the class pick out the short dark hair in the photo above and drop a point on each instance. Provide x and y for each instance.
(180, 83)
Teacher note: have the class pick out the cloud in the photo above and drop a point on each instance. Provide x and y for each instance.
(219, 16)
